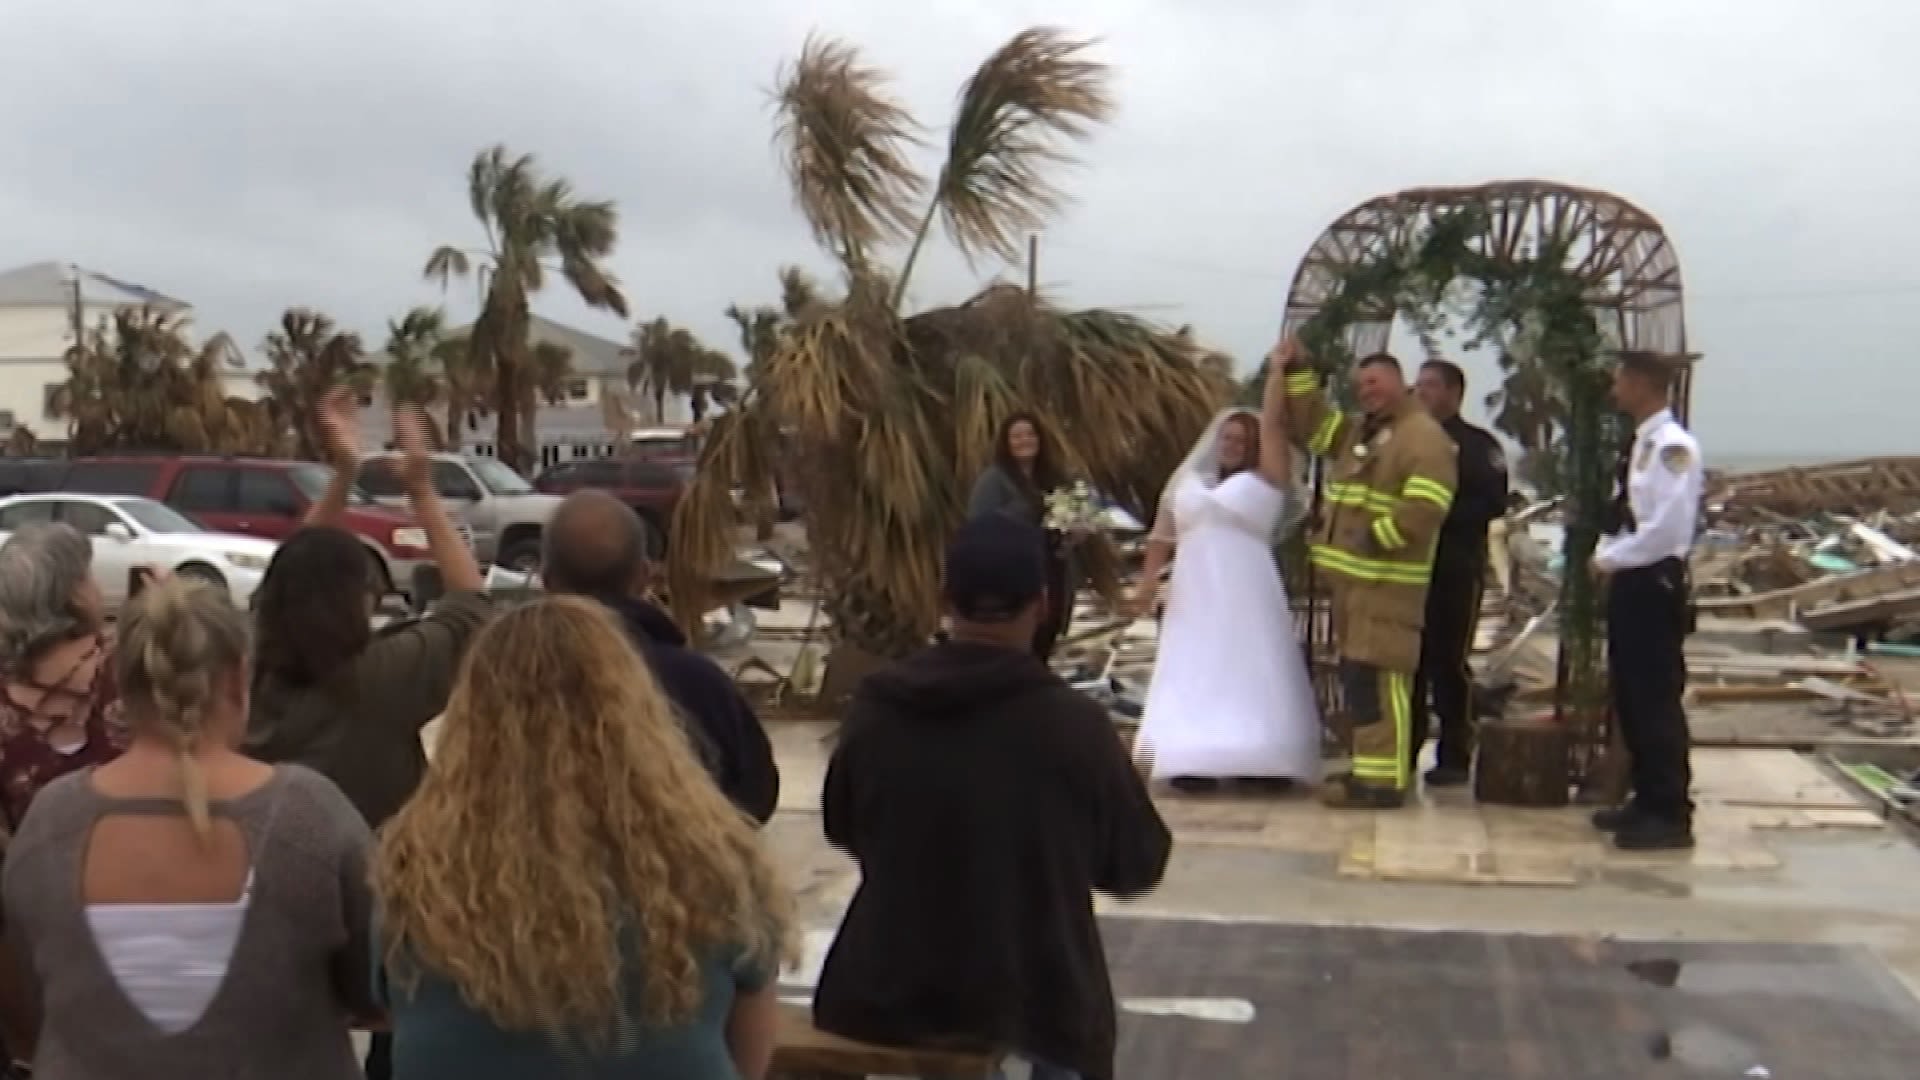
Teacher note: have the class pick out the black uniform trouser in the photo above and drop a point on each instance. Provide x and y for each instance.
(1647, 622)
(379, 1063)
(1059, 612)
(1443, 687)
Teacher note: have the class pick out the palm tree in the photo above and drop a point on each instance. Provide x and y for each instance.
(136, 383)
(671, 361)
(412, 374)
(307, 357)
(882, 419)
(760, 327)
(532, 225)
(463, 384)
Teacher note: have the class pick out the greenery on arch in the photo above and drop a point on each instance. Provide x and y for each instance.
(1555, 401)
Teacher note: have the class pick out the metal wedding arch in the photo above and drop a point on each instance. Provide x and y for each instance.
(1620, 252)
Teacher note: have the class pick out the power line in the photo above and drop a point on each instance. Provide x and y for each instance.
(1790, 292)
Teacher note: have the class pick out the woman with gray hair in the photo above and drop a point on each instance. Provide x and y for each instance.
(59, 700)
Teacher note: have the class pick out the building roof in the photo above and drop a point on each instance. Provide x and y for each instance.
(46, 284)
(591, 355)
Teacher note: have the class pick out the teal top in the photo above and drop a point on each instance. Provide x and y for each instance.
(438, 1035)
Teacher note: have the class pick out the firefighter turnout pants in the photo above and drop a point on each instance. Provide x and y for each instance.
(1380, 705)
(1647, 622)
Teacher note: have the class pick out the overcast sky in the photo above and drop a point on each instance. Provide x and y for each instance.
(247, 159)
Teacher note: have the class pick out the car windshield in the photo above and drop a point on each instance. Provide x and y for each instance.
(312, 482)
(498, 478)
(156, 517)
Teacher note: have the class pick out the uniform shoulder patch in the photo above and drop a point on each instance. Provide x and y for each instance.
(1676, 457)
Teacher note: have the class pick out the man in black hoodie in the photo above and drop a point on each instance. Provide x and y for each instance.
(985, 800)
(596, 546)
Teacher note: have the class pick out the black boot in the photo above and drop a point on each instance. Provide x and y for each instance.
(1646, 833)
(1615, 818)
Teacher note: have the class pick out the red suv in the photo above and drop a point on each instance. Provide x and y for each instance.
(651, 485)
(261, 497)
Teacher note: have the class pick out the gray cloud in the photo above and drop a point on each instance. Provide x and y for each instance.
(249, 158)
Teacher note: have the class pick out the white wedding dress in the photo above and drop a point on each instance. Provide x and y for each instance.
(1230, 695)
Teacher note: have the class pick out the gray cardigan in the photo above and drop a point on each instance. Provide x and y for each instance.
(997, 493)
(302, 964)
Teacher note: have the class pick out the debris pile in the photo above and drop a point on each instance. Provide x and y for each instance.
(1806, 584)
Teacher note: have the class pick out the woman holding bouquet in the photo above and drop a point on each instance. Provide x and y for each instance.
(1231, 697)
(1024, 473)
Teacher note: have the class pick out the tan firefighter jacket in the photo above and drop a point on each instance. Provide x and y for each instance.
(1389, 482)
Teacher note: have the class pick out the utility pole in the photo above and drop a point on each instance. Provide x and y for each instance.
(79, 319)
(1033, 265)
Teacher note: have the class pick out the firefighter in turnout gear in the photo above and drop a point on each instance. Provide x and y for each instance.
(1643, 559)
(1390, 475)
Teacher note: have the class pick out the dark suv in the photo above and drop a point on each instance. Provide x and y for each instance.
(652, 486)
(263, 497)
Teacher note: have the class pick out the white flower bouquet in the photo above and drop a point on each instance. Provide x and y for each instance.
(1071, 509)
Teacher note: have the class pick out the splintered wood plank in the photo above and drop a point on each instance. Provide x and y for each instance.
(1767, 778)
(1845, 819)
(1357, 860)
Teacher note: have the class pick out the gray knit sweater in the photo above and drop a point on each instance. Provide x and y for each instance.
(301, 966)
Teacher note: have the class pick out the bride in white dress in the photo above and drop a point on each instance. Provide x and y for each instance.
(1230, 698)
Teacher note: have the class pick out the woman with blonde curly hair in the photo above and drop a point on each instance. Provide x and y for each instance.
(186, 911)
(568, 893)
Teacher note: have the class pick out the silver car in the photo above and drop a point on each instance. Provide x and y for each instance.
(506, 516)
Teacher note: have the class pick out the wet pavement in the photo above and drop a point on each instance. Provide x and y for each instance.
(1338, 1002)
(1451, 941)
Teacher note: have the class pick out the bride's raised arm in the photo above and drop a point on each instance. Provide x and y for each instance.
(1276, 450)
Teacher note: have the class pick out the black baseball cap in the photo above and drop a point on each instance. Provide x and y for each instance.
(996, 568)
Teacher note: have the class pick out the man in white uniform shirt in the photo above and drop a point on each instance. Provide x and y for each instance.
(1649, 612)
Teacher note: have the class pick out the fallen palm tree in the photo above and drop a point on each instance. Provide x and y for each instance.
(882, 419)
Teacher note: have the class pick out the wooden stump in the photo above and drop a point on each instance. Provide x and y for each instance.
(1521, 763)
(846, 666)
(802, 1052)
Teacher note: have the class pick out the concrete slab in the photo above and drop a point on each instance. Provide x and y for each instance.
(1272, 867)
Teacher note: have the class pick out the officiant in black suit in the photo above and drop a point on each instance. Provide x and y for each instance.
(1443, 687)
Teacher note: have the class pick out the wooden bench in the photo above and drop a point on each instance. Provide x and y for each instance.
(803, 1052)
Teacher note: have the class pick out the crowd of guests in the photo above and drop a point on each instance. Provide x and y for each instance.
(226, 851)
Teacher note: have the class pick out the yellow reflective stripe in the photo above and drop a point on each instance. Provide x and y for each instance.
(1301, 383)
(1385, 531)
(1352, 494)
(1433, 491)
(1386, 571)
(1376, 769)
(1400, 707)
(1324, 435)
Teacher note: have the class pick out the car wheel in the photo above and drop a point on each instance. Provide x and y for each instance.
(522, 556)
(202, 574)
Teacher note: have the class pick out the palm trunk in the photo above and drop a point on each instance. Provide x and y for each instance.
(913, 254)
(509, 341)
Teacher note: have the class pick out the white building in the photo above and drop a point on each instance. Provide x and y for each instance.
(39, 304)
(577, 427)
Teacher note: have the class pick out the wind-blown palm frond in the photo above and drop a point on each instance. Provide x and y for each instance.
(412, 374)
(1037, 91)
(307, 357)
(134, 382)
(529, 223)
(884, 430)
(882, 421)
(848, 147)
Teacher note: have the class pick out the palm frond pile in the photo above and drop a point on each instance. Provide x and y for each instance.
(882, 420)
